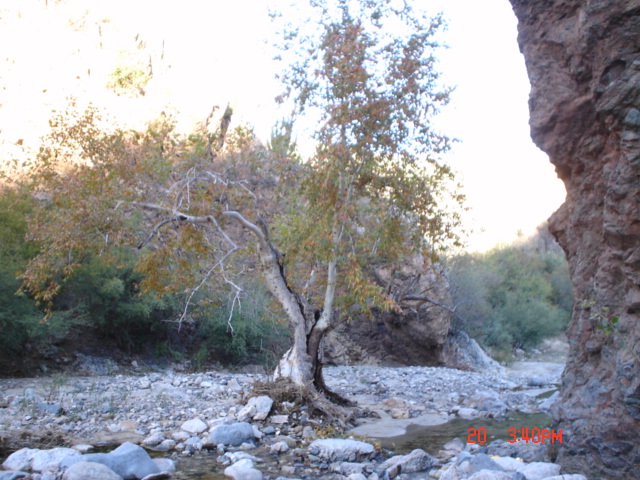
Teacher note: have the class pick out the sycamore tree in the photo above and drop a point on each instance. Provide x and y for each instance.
(198, 208)
(375, 189)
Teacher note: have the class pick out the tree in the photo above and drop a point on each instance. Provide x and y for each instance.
(374, 191)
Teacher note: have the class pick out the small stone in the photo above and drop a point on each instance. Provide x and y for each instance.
(243, 470)
(234, 385)
(194, 425)
(153, 439)
(51, 408)
(279, 447)
(180, 436)
(234, 434)
(468, 413)
(279, 419)
(288, 469)
(257, 408)
(83, 448)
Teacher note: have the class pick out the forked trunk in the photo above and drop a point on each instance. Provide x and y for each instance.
(302, 363)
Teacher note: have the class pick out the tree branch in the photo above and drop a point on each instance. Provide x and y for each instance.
(246, 223)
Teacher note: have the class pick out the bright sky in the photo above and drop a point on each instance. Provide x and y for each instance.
(209, 53)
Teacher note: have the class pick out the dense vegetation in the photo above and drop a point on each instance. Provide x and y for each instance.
(512, 296)
(104, 304)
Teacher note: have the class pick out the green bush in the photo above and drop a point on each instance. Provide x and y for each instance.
(512, 296)
(107, 296)
(19, 316)
(248, 334)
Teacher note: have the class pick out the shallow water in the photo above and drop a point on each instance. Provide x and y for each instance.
(432, 438)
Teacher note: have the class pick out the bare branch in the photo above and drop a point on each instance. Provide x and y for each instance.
(219, 263)
(154, 231)
(246, 223)
(422, 299)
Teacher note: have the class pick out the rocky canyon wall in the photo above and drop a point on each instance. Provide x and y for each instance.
(583, 61)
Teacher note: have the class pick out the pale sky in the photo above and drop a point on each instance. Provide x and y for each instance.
(212, 52)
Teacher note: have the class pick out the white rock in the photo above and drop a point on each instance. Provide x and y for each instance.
(180, 436)
(257, 408)
(37, 460)
(540, 470)
(195, 425)
(83, 448)
(243, 470)
(468, 413)
(90, 471)
(45, 459)
(342, 450)
(279, 419)
(20, 460)
(153, 440)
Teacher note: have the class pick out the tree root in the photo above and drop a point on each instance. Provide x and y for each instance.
(328, 405)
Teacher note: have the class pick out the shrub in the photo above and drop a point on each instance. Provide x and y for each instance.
(512, 296)
(107, 296)
(242, 333)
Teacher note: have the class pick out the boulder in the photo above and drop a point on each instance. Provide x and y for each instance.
(463, 352)
(234, 434)
(342, 450)
(20, 459)
(128, 460)
(90, 471)
(38, 460)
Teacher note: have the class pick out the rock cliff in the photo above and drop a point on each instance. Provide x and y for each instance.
(583, 60)
(417, 336)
